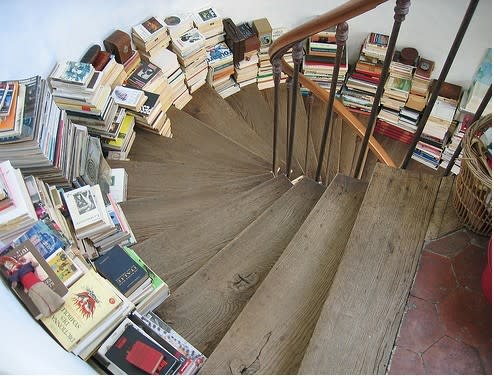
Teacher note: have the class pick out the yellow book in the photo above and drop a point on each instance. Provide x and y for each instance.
(89, 301)
(127, 126)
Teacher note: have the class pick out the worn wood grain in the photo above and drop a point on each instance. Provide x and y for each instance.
(360, 318)
(271, 333)
(442, 201)
(205, 306)
(171, 179)
(349, 150)
(151, 216)
(209, 107)
(176, 255)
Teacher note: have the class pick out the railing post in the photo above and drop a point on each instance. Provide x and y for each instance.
(276, 78)
(297, 53)
(288, 84)
(341, 38)
(478, 114)
(401, 10)
(442, 76)
(310, 102)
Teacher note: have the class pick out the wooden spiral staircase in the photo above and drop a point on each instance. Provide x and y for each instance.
(270, 274)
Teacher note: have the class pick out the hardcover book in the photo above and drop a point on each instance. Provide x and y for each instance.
(89, 301)
(121, 270)
(26, 253)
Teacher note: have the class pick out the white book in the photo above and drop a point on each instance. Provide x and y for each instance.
(149, 29)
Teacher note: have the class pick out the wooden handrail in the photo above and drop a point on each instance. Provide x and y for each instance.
(344, 113)
(338, 15)
(344, 12)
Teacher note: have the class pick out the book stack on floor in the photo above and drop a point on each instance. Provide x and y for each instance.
(210, 25)
(167, 61)
(361, 84)
(191, 54)
(437, 129)
(132, 64)
(420, 90)
(319, 61)
(264, 33)
(220, 63)
(178, 24)
(112, 72)
(395, 120)
(150, 37)
(144, 344)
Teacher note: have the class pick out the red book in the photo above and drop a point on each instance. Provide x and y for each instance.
(144, 357)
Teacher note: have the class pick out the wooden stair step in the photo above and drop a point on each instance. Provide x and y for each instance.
(204, 307)
(271, 333)
(361, 316)
(169, 178)
(299, 141)
(209, 107)
(176, 255)
(151, 216)
(254, 109)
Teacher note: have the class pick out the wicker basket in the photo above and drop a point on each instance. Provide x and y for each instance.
(473, 186)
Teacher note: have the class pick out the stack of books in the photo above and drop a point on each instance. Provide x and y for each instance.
(246, 68)
(178, 24)
(361, 85)
(118, 185)
(131, 64)
(437, 130)
(191, 53)
(463, 119)
(220, 63)
(419, 92)
(145, 344)
(319, 60)
(119, 147)
(150, 37)
(210, 25)
(167, 61)
(113, 74)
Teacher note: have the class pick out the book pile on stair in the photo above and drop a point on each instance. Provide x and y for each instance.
(150, 37)
(49, 235)
(319, 60)
(220, 63)
(191, 53)
(361, 85)
(210, 25)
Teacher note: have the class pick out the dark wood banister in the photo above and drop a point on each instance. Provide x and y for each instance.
(340, 14)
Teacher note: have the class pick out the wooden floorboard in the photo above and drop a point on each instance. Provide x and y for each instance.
(205, 306)
(441, 203)
(169, 179)
(360, 318)
(175, 255)
(209, 107)
(151, 216)
(270, 334)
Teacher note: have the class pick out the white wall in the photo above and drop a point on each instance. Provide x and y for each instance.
(35, 34)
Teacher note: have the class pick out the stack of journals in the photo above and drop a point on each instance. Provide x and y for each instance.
(361, 85)
(320, 59)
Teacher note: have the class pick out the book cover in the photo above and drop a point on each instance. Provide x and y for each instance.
(144, 73)
(149, 28)
(73, 72)
(64, 267)
(156, 280)
(82, 204)
(218, 53)
(45, 239)
(144, 357)
(89, 301)
(128, 97)
(121, 270)
(25, 253)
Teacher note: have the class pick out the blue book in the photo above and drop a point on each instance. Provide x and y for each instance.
(121, 270)
(45, 239)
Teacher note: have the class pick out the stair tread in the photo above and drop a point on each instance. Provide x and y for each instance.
(204, 307)
(182, 252)
(255, 110)
(151, 216)
(209, 107)
(300, 130)
(271, 332)
(170, 178)
(374, 276)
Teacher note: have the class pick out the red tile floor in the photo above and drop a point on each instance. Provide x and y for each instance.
(446, 328)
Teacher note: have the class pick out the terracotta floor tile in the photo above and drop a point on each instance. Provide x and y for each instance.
(434, 279)
(479, 241)
(466, 316)
(405, 362)
(486, 357)
(448, 356)
(421, 326)
(451, 244)
(468, 266)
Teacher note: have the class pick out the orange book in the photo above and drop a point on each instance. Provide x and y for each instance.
(8, 123)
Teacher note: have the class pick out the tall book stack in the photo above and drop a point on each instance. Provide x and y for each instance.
(419, 92)
(246, 67)
(167, 61)
(191, 54)
(220, 62)
(210, 25)
(76, 88)
(319, 61)
(264, 33)
(361, 85)
(178, 24)
(113, 73)
(435, 133)
(119, 147)
(395, 120)
(150, 37)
